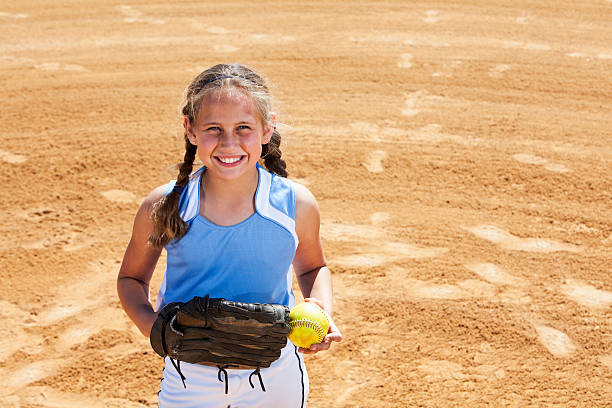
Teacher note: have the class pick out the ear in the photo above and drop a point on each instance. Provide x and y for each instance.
(188, 129)
(269, 127)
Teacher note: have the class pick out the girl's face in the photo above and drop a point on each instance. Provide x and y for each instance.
(229, 133)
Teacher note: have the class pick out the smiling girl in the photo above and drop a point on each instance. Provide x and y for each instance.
(234, 229)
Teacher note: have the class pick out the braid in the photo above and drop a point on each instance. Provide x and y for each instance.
(187, 164)
(272, 155)
(167, 222)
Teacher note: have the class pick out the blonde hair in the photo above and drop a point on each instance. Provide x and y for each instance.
(167, 222)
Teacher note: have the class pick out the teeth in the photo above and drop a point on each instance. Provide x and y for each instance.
(229, 160)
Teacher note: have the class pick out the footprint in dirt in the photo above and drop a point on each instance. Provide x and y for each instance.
(132, 15)
(431, 16)
(540, 161)
(494, 274)
(364, 234)
(587, 295)
(371, 132)
(225, 48)
(436, 370)
(389, 252)
(405, 61)
(80, 311)
(527, 46)
(524, 19)
(433, 134)
(555, 341)
(82, 305)
(64, 235)
(13, 324)
(378, 218)
(56, 66)
(119, 196)
(506, 240)
(606, 360)
(16, 16)
(374, 161)
(414, 101)
(30, 373)
(218, 30)
(272, 39)
(349, 232)
(421, 100)
(418, 289)
(498, 70)
(589, 57)
(11, 158)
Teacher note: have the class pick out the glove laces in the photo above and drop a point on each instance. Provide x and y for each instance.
(177, 367)
(177, 364)
(222, 370)
(258, 373)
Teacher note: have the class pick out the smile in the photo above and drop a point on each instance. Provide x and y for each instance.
(228, 161)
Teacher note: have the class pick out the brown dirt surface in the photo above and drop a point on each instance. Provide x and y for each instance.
(460, 152)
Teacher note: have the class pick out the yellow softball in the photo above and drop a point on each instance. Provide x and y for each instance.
(309, 324)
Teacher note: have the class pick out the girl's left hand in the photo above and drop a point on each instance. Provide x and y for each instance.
(333, 334)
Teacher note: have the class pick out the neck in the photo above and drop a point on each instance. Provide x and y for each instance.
(230, 191)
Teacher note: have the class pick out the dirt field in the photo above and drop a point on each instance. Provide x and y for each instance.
(461, 156)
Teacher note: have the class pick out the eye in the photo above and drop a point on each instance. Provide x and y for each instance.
(244, 127)
(213, 129)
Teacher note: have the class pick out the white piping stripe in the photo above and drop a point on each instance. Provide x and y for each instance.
(262, 203)
(193, 203)
(290, 287)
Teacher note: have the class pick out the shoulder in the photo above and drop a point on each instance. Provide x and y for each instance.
(143, 224)
(303, 196)
(306, 207)
(154, 197)
(143, 216)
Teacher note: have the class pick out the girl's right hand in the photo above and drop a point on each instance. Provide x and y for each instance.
(333, 333)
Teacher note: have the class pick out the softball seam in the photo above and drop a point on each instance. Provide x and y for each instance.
(305, 323)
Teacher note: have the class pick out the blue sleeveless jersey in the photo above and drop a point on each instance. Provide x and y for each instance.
(246, 262)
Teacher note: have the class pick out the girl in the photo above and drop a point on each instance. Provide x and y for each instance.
(231, 229)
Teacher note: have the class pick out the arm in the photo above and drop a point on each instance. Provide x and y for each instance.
(138, 266)
(312, 273)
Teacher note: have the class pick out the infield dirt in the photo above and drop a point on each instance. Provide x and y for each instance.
(461, 156)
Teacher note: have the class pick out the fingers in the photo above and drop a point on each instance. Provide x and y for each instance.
(333, 335)
(315, 348)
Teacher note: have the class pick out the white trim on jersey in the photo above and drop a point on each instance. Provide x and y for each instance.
(192, 195)
(263, 206)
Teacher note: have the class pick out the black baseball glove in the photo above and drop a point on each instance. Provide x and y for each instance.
(221, 333)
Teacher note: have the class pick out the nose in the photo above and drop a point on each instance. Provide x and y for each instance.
(228, 138)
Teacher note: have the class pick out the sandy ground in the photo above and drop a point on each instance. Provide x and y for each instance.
(461, 156)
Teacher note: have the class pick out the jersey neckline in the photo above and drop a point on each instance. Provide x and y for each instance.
(240, 223)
